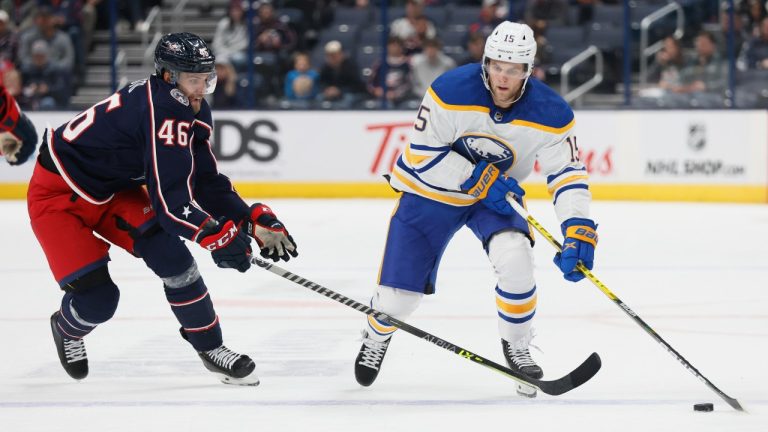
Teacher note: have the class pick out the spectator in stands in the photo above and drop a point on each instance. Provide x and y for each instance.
(230, 40)
(339, 77)
(669, 63)
(61, 52)
(706, 71)
(271, 34)
(491, 15)
(701, 81)
(45, 86)
(8, 39)
(68, 17)
(397, 77)
(428, 65)
(225, 96)
(755, 12)
(475, 48)
(414, 27)
(301, 83)
(757, 48)
(740, 36)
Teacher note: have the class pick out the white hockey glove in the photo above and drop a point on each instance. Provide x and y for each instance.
(9, 146)
(270, 234)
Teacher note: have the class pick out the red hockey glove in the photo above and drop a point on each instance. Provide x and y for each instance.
(230, 247)
(270, 234)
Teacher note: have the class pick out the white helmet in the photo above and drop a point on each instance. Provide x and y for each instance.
(510, 42)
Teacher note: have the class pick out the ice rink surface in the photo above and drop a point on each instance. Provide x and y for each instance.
(697, 273)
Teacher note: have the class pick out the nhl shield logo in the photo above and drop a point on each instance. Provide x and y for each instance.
(179, 96)
(697, 136)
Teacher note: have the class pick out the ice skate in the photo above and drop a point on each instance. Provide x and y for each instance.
(368, 361)
(519, 360)
(72, 353)
(230, 367)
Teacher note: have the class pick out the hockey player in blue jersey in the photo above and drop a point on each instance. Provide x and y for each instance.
(90, 179)
(478, 132)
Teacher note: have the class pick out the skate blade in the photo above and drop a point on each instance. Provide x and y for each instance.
(250, 380)
(526, 391)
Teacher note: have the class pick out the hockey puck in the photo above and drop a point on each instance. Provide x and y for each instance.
(704, 407)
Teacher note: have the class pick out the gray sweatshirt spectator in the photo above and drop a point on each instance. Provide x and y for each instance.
(61, 51)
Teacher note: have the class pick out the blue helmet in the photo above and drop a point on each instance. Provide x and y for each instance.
(185, 52)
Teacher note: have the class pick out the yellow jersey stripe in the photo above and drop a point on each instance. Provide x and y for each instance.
(565, 181)
(434, 195)
(414, 159)
(542, 127)
(450, 107)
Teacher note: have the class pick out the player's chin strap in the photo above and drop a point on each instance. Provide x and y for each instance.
(623, 306)
(577, 377)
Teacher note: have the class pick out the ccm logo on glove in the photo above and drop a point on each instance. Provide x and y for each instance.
(221, 238)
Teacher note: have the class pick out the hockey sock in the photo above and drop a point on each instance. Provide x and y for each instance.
(193, 308)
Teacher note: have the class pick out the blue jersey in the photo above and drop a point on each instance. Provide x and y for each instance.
(147, 134)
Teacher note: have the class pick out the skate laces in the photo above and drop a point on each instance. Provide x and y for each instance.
(373, 352)
(74, 350)
(519, 352)
(223, 356)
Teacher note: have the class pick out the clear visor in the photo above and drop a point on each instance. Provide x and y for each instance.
(510, 70)
(197, 83)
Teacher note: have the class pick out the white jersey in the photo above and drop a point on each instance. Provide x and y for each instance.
(458, 125)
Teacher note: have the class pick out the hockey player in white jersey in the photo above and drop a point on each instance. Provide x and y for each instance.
(479, 131)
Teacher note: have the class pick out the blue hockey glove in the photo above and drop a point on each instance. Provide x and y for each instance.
(579, 245)
(491, 187)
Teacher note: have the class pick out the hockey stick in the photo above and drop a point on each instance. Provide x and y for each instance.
(577, 377)
(623, 306)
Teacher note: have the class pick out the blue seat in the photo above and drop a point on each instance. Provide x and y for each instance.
(608, 15)
(464, 15)
(438, 15)
(346, 15)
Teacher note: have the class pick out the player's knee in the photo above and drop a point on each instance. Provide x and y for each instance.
(511, 254)
(396, 302)
(94, 296)
(186, 278)
(164, 253)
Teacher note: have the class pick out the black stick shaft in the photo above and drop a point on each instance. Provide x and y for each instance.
(626, 309)
(579, 376)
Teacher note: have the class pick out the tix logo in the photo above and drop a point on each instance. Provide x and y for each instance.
(393, 138)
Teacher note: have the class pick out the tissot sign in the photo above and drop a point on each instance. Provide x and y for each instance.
(341, 146)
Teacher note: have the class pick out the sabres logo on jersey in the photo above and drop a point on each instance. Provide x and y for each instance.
(476, 147)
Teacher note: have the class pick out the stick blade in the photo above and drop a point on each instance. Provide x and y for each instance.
(577, 377)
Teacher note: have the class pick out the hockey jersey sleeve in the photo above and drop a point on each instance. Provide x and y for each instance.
(170, 166)
(567, 179)
(212, 189)
(16, 123)
(429, 154)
